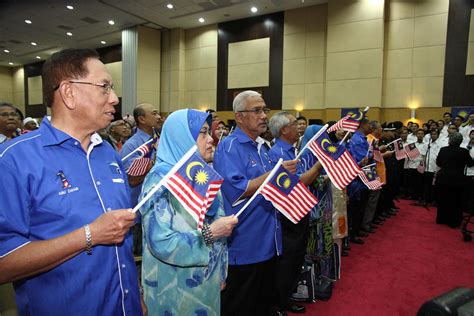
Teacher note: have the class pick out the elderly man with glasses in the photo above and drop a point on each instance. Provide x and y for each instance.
(244, 162)
(64, 224)
(8, 122)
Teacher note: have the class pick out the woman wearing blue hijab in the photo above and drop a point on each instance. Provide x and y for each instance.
(182, 274)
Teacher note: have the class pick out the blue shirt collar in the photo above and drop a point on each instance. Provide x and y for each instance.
(242, 137)
(51, 136)
(284, 145)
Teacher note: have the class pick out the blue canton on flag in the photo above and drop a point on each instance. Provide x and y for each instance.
(195, 185)
(288, 195)
(370, 178)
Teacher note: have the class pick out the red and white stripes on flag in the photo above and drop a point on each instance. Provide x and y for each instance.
(370, 178)
(341, 124)
(400, 152)
(288, 195)
(336, 160)
(374, 146)
(138, 167)
(412, 151)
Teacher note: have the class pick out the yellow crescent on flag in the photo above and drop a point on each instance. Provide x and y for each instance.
(190, 166)
(279, 177)
(357, 117)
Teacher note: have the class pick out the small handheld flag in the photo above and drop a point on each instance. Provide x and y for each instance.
(336, 160)
(370, 178)
(412, 151)
(376, 150)
(350, 122)
(400, 152)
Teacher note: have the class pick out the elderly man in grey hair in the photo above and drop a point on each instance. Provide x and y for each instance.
(451, 181)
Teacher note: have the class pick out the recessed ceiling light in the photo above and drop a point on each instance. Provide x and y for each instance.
(6, 51)
(103, 42)
(70, 7)
(10, 63)
(111, 22)
(170, 6)
(28, 21)
(33, 43)
(254, 9)
(38, 57)
(201, 20)
(68, 33)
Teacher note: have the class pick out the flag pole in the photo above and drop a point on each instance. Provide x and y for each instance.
(345, 136)
(133, 151)
(368, 166)
(393, 141)
(165, 178)
(270, 175)
(318, 133)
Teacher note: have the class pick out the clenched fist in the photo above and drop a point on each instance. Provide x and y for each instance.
(223, 226)
(111, 227)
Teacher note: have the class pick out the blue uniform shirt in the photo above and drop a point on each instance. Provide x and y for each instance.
(282, 149)
(257, 236)
(359, 149)
(138, 139)
(50, 186)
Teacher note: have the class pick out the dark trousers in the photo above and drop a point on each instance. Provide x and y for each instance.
(355, 212)
(428, 188)
(450, 204)
(288, 267)
(415, 182)
(250, 289)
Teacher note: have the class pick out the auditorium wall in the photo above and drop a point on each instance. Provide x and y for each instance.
(6, 85)
(470, 48)
(148, 65)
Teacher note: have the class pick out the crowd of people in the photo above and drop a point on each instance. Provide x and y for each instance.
(68, 234)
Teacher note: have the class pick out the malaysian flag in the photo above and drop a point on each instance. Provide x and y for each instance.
(412, 151)
(336, 160)
(400, 152)
(349, 123)
(374, 146)
(288, 195)
(195, 185)
(140, 165)
(370, 178)
(339, 124)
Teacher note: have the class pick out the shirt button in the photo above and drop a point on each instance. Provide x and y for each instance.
(123, 266)
(109, 208)
(76, 143)
(126, 291)
(98, 182)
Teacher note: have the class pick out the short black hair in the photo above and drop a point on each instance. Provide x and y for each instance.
(301, 118)
(448, 113)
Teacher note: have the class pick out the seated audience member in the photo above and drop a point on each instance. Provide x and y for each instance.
(184, 269)
(65, 222)
(244, 162)
(8, 122)
(30, 124)
(283, 126)
(451, 181)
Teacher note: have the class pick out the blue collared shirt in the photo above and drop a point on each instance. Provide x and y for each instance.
(257, 236)
(283, 149)
(138, 139)
(359, 149)
(50, 187)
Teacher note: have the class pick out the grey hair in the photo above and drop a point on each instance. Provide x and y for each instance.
(455, 139)
(277, 122)
(241, 99)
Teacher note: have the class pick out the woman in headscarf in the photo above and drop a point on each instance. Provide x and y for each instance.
(183, 271)
(217, 132)
(451, 181)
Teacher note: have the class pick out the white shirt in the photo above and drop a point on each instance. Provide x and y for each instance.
(413, 164)
(444, 131)
(465, 131)
(411, 138)
(405, 164)
(432, 151)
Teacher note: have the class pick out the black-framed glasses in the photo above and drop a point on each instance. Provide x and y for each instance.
(256, 111)
(106, 86)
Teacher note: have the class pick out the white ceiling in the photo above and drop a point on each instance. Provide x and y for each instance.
(88, 22)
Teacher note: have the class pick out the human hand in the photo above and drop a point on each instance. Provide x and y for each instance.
(364, 162)
(290, 165)
(111, 227)
(223, 226)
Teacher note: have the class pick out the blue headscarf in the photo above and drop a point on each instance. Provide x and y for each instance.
(179, 133)
(309, 133)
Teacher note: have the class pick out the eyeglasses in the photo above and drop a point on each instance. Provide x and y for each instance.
(11, 114)
(256, 111)
(106, 86)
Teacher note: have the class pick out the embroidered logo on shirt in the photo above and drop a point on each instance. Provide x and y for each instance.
(64, 180)
(114, 167)
(252, 161)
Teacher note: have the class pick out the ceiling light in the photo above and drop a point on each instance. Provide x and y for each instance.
(33, 43)
(103, 42)
(201, 20)
(68, 33)
(38, 57)
(111, 22)
(254, 9)
(169, 6)
(70, 7)
(28, 21)
(10, 63)
(6, 51)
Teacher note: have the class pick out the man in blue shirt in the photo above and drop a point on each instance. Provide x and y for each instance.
(284, 127)
(244, 162)
(357, 191)
(64, 217)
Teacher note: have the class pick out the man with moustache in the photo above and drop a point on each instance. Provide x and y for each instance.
(65, 218)
(244, 162)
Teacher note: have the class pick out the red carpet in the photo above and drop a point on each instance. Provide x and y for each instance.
(406, 262)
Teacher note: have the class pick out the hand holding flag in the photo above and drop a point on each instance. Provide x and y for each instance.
(369, 176)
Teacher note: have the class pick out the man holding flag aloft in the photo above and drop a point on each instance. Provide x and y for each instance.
(244, 163)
